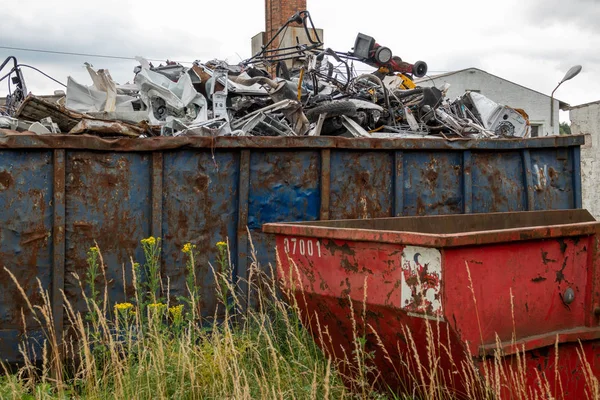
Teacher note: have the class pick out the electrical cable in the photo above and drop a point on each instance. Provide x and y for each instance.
(43, 73)
(33, 68)
(85, 54)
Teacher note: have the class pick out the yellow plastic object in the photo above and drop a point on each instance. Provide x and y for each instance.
(407, 83)
(377, 129)
(300, 84)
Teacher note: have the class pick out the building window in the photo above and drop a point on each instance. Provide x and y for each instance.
(536, 130)
(474, 90)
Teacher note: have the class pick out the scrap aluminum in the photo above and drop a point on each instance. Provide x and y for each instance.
(311, 91)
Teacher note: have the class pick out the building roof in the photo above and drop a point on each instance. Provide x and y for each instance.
(561, 104)
(584, 105)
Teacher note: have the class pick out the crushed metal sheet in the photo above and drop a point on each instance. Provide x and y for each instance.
(34, 109)
(211, 128)
(106, 128)
(83, 98)
(165, 98)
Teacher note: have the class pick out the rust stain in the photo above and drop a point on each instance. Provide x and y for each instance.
(545, 258)
(6, 180)
(348, 266)
(33, 237)
(430, 173)
(563, 245)
(397, 285)
(420, 206)
(344, 249)
(538, 279)
(202, 182)
(560, 275)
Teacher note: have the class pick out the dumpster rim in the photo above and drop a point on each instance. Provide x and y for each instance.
(529, 343)
(435, 240)
(27, 140)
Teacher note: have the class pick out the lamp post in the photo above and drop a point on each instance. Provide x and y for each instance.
(571, 73)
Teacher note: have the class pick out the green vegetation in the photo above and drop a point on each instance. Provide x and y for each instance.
(564, 128)
(149, 348)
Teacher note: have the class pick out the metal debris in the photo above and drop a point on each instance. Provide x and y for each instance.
(304, 90)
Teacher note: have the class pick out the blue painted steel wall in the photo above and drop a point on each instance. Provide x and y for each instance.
(57, 197)
(26, 211)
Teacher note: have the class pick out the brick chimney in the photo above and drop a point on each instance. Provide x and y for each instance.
(277, 12)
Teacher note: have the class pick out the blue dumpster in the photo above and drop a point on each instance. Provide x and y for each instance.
(60, 193)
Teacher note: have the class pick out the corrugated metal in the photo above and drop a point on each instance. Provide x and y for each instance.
(60, 193)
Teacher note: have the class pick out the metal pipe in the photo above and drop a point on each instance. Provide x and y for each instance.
(251, 81)
(571, 73)
(552, 106)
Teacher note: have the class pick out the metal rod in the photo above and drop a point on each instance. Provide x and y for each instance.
(552, 107)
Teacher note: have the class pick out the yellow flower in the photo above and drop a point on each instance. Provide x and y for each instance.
(188, 247)
(156, 306)
(94, 250)
(221, 245)
(123, 307)
(151, 241)
(176, 312)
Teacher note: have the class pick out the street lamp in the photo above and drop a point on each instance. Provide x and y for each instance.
(571, 73)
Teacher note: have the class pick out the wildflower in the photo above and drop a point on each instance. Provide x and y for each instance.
(188, 247)
(123, 306)
(94, 250)
(150, 241)
(156, 306)
(221, 246)
(176, 312)
(123, 309)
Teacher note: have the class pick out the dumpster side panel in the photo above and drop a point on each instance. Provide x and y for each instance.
(108, 201)
(553, 179)
(498, 182)
(284, 186)
(351, 289)
(26, 217)
(574, 366)
(525, 296)
(342, 269)
(432, 183)
(200, 206)
(361, 184)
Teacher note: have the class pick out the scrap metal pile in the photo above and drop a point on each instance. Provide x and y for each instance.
(304, 90)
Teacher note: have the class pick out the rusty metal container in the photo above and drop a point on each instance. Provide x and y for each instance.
(60, 193)
(455, 289)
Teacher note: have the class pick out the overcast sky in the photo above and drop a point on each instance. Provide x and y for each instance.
(531, 42)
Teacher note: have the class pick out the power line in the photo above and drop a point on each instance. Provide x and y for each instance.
(85, 54)
(123, 57)
(43, 73)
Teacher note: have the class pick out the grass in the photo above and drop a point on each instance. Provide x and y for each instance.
(149, 348)
(153, 348)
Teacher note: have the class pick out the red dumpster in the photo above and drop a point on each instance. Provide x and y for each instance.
(511, 298)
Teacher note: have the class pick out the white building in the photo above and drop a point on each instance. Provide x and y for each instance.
(502, 91)
(585, 120)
